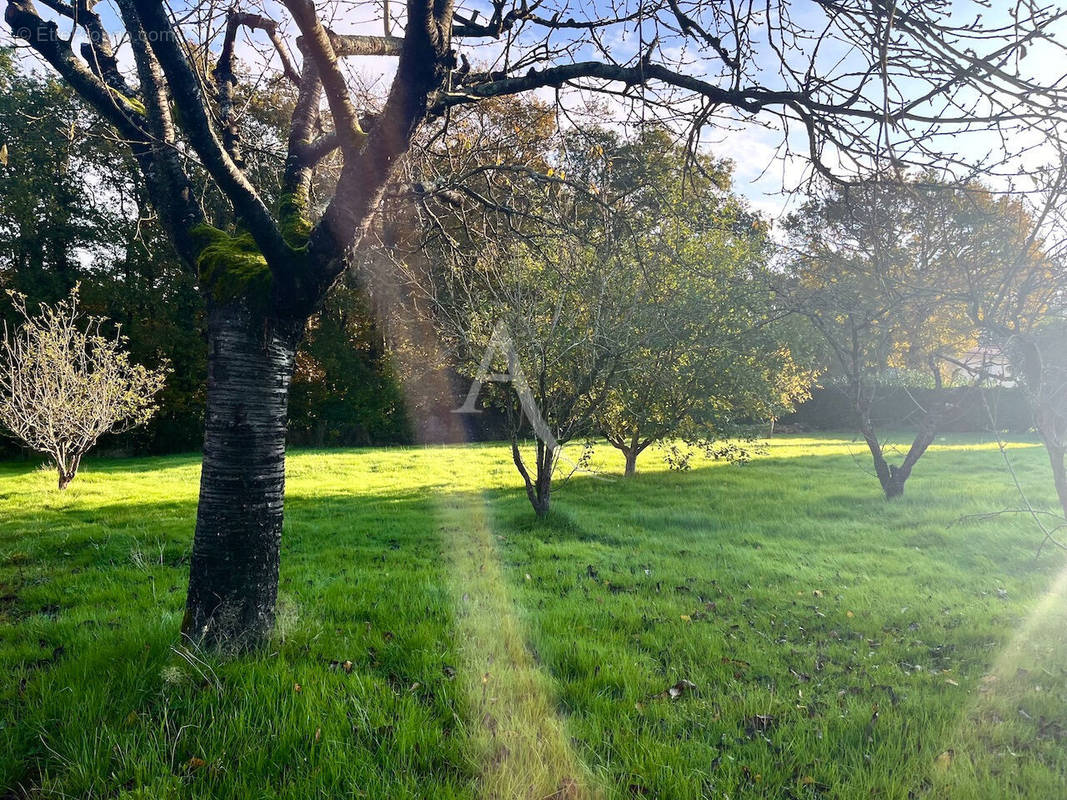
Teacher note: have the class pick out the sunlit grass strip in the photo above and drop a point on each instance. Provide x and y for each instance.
(994, 742)
(516, 732)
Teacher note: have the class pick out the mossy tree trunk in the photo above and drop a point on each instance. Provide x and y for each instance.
(233, 579)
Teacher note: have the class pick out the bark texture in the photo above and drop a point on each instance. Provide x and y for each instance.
(893, 477)
(539, 485)
(233, 581)
(68, 473)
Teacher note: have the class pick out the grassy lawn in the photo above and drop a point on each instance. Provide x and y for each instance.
(437, 642)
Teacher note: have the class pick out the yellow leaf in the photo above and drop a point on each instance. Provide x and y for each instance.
(3, 154)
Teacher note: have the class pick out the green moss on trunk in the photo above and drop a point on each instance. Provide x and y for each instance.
(231, 266)
(295, 221)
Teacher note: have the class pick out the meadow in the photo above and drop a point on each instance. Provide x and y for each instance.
(772, 630)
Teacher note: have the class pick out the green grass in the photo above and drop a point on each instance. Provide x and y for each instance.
(841, 647)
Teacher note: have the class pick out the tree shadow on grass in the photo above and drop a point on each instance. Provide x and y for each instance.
(354, 695)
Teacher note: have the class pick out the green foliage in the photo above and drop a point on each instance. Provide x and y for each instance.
(706, 353)
(797, 610)
(71, 212)
(345, 390)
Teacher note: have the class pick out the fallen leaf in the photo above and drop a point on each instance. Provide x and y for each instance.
(195, 763)
(944, 761)
(297, 688)
(760, 723)
(682, 687)
(347, 666)
(951, 682)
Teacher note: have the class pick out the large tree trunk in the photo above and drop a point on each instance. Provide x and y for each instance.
(233, 581)
(631, 461)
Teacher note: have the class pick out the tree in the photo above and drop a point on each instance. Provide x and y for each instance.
(1016, 299)
(705, 359)
(551, 320)
(1041, 358)
(64, 384)
(265, 268)
(345, 391)
(873, 269)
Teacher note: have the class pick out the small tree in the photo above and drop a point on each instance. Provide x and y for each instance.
(554, 323)
(64, 383)
(874, 269)
(705, 356)
(1018, 303)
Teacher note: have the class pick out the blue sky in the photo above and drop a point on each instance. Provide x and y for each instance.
(761, 174)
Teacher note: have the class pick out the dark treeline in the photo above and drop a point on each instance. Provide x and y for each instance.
(972, 409)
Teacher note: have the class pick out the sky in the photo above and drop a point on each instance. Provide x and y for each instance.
(761, 174)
